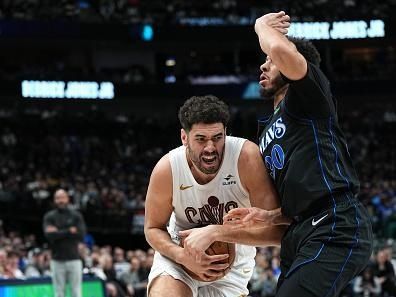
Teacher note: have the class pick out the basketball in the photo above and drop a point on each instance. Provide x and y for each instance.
(216, 248)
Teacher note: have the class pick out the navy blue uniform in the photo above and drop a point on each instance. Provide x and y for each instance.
(305, 151)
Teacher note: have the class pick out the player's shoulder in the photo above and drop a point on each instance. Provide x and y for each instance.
(249, 148)
(162, 168)
(250, 152)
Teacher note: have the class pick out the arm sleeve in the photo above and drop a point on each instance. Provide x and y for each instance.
(310, 97)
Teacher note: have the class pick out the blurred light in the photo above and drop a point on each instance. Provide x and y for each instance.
(170, 62)
(147, 33)
(216, 79)
(67, 90)
(170, 79)
(252, 91)
(338, 30)
(83, 4)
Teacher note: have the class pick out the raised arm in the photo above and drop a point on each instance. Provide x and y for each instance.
(271, 29)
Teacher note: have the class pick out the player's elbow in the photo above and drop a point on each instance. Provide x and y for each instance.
(149, 232)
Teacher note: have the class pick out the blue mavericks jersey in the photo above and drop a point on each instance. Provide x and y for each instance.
(304, 148)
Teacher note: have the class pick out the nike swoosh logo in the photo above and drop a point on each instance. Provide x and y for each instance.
(314, 223)
(182, 188)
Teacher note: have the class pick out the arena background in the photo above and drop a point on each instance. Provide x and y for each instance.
(90, 92)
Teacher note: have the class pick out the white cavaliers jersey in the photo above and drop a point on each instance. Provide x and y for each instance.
(196, 205)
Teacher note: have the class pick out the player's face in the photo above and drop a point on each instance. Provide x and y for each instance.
(270, 79)
(205, 146)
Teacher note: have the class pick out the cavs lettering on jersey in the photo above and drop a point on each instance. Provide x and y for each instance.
(196, 205)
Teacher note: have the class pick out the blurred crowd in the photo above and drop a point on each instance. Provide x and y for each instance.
(160, 12)
(190, 66)
(125, 272)
(104, 160)
(370, 135)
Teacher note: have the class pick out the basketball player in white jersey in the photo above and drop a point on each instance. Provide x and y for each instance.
(195, 185)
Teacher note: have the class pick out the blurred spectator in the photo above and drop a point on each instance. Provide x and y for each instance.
(3, 259)
(112, 283)
(120, 263)
(269, 283)
(11, 266)
(64, 229)
(36, 266)
(383, 270)
(97, 266)
(135, 280)
(366, 284)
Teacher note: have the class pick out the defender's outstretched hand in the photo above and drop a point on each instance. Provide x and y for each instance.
(253, 216)
(197, 240)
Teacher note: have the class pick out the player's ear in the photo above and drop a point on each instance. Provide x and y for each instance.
(183, 136)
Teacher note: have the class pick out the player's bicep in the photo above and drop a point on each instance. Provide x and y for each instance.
(158, 206)
(255, 178)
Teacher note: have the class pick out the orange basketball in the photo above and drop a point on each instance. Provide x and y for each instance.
(216, 248)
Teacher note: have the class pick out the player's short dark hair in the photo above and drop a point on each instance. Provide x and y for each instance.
(307, 49)
(203, 109)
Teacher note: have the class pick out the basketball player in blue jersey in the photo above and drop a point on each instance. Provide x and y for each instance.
(305, 152)
(195, 185)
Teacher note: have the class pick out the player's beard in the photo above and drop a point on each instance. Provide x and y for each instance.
(277, 83)
(197, 161)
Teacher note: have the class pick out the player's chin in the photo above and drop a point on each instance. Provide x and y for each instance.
(266, 93)
(210, 169)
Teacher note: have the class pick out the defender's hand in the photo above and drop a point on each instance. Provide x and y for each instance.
(252, 216)
(279, 21)
(197, 240)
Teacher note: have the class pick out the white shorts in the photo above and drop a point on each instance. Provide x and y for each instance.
(234, 284)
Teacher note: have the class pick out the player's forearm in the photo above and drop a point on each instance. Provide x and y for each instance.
(161, 241)
(267, 236)
(282, 52)
(271, 40)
